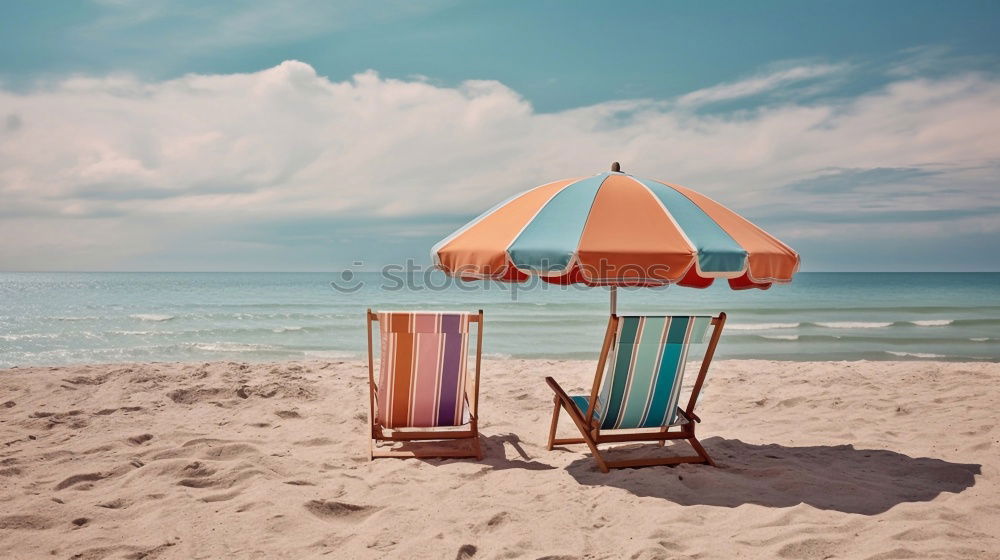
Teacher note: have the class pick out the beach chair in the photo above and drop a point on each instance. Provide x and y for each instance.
(637, 387)
(424, 392)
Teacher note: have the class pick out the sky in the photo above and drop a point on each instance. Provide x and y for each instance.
(312, 135)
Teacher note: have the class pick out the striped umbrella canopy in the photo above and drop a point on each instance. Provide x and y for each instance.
(613, 229)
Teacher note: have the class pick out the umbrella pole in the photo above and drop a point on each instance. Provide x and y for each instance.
(614, 299)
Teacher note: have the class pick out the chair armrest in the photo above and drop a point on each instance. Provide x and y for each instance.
(557, 389)
(560, 394)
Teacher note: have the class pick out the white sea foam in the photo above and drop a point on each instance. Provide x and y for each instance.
(328, 354)
(781, 337)
(27, 336)
(151, 317)
(915, 354)
(853, 325)
(980, 339)
(761, 326)
(933, 322)
(286, 329)
(231, 347)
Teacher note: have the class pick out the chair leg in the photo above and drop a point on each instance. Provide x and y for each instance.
(478, 447)
(701, 450)
(554, 424)
(587, 437)
(601, 463)
(563, 399)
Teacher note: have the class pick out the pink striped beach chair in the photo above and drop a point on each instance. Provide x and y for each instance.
(424, 391)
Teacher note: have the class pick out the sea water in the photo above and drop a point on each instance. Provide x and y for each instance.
(66, 318)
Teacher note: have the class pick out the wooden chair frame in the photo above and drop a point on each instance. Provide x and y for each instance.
(590, 428)
(380, 434)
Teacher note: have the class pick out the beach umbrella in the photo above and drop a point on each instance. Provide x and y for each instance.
(614, 229)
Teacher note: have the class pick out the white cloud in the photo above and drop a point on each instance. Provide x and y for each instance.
(759, 84)
(98, 170)
(192, 26)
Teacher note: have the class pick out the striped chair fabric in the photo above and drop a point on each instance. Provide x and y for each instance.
(423, 369)
(645, 370)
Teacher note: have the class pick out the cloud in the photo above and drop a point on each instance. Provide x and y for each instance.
(104, 171)
(841, 180)
(194, 26)
(760, 83)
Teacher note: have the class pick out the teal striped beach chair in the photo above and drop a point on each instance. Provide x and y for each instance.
(637, 388)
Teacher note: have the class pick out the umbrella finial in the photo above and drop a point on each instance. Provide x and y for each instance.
(616, 167)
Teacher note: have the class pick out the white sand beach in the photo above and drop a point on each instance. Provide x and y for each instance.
(816, 460)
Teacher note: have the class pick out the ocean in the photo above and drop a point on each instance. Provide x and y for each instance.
(70, 318)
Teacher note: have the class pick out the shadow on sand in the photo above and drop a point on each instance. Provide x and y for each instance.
(841, 478)
(494, 453)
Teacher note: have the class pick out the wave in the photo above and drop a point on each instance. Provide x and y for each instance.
(976, 322)
(761, 326)
(863, 341)
(799, 310)
(27, 336)
(933, 322)
(329, 354)
(158, 317)
(853, 325)
(235, 347)
(915, 354)
(286, 329)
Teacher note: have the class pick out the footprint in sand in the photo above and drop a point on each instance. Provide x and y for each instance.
(78, 478)
(135, 552)
(229, 452)
(25, 522)
(84, 380)
(223, 497)
(288, 414)
(466, 551)
(197, 469)
(117, 503)
(221, 481)
(495, 522)
(331, 510)
(139, 439)
(193, 395)
(315, 442)
(810, 548)
(107, 411)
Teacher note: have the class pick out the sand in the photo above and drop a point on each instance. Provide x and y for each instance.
(816, 460)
